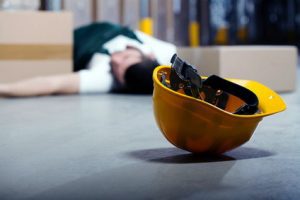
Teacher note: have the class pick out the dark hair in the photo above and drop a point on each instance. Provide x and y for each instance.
(138, 77)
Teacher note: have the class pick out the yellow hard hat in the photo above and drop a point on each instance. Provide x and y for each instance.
(198, 126)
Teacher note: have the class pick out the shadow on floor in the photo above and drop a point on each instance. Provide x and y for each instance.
(175, 155)
(144, 180)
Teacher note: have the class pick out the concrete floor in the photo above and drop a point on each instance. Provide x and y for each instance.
(109, 147)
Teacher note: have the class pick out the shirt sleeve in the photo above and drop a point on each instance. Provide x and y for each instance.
(162, 50)
(98, 77)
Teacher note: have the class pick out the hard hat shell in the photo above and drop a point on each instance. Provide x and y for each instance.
(197, 126)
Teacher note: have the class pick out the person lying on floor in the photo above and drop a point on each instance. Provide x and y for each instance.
(107, 58)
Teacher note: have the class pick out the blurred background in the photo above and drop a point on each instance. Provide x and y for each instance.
(187, 22)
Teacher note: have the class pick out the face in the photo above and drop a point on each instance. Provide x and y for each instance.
(126, 58)
(121, 61)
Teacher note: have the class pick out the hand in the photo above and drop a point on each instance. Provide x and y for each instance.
(119, 72)
(3, 90)
(121, 61)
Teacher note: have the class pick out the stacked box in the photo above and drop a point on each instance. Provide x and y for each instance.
(274, 66)
(34, 43)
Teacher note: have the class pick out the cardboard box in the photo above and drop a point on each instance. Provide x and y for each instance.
(274, 66)
(34, 43)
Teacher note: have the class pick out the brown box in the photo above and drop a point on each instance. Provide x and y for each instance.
(274, 66)
(34, 43)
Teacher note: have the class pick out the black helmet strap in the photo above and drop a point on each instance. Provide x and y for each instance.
(250, 99)
(184, 76)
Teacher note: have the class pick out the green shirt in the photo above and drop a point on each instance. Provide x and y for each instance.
(91, 38)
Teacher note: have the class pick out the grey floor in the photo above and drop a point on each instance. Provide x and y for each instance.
(109, 147)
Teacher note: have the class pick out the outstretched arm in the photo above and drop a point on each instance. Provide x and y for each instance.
(48, 85)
